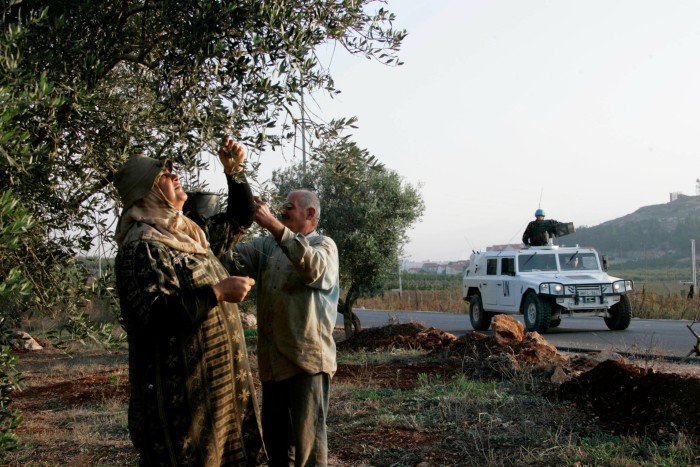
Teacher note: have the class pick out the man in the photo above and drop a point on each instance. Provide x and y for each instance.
(538, 231)
(296, 270)
(573, 263)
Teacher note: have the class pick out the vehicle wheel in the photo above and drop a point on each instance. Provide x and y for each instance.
(554, 323)
(481, 320)
(620, 315)
(537, 312)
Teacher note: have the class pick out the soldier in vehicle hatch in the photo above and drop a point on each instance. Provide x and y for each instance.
(537, 232)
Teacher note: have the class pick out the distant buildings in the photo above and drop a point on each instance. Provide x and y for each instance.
(447, 268)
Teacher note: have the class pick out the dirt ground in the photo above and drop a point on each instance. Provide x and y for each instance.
(626, 398)
(653, 399)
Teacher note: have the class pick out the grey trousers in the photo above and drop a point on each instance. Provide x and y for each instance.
(294, 415)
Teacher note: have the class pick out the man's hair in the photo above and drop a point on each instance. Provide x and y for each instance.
(309, 199)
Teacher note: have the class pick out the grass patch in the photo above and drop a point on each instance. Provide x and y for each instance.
(364, 357)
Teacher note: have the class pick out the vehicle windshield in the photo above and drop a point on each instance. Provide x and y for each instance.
(566, 262)
(537, 262)
(584, 261)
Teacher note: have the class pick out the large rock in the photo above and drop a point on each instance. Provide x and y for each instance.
(507, 330)
(20, 340)
(537, 350)
(528, 347)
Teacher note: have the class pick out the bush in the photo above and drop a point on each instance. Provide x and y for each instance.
(9, 381)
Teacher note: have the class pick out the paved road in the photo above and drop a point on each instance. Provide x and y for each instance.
(667, 338)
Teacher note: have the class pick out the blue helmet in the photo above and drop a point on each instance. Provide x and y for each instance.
(539, 212)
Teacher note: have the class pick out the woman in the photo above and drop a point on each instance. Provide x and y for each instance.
(192, 395)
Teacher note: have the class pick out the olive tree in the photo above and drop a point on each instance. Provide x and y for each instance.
(366, 209)
(14, 222)
(84, 84)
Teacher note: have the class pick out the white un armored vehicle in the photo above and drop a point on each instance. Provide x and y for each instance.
(545, 283)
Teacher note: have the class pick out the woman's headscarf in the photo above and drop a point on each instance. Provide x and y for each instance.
(147, 214)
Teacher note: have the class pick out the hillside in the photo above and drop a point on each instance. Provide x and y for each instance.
(661, 231)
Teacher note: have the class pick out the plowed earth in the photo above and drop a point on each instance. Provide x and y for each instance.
(625, 398)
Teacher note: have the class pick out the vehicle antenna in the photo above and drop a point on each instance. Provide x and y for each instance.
(539, 205)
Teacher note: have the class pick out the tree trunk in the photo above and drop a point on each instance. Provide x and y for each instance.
(351, 322)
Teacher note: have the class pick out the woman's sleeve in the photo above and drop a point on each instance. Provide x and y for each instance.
(241, 205)
(156, 295)
(224, 229)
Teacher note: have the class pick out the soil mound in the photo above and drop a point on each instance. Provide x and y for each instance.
(633, 400)
(397, 336)
(509, 349)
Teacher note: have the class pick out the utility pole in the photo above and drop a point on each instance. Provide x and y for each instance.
(400, 288)
(694, 281)
(692, 257)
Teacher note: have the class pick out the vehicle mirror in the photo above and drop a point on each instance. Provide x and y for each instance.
(605, 262)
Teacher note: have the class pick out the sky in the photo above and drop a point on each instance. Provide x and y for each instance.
(587, 109)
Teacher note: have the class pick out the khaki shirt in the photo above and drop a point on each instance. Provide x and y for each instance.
(297, 298)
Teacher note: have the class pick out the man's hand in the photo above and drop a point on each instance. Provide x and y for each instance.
(231, 155)
(267, 220)
(233, 289)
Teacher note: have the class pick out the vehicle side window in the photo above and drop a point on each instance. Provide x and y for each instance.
(491, 265)
(508, 266)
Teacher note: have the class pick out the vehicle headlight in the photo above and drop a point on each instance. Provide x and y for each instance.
(622, 286)
(551, 288)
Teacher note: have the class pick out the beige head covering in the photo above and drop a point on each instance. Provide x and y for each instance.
(147, 214)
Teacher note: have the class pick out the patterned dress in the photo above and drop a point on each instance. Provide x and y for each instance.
(192, 397)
